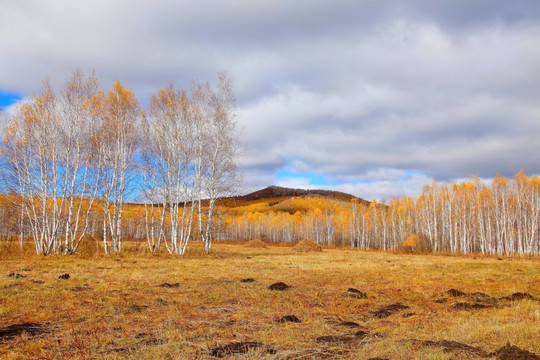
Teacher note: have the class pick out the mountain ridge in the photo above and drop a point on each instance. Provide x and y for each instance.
(274, 191)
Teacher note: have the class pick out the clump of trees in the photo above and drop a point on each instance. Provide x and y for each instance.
(73, 161)
(70, 160)
(502, 218)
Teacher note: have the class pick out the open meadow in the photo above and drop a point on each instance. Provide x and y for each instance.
(143, 306)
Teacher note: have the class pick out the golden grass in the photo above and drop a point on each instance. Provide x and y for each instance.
(112, 307)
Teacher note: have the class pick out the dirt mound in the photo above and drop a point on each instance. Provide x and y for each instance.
(169, 285)
(386, 311)
(519, 296)
(340, 339)
(456, 293)
(248, 280)
(469, 306)
(16, 275)
(256, 243)
(346, 339)
(453, 347)
(483, 298)
(30, 328)
(361, 334)
(64, 277)
(308, 245)
(289, 318)
(279, 286)
(240, 348)
(349, 324)
(138, 308)
(511, 352)
(357, 294)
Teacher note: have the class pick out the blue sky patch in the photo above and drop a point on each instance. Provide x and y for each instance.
(7, 98)
(313, 177)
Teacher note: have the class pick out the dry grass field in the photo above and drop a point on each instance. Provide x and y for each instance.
(140, 306)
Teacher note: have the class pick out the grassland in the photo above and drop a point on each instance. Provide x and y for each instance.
(140, 306)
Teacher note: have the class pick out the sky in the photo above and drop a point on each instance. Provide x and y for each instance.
(370, 97)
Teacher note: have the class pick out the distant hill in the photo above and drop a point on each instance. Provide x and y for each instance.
(272, 192)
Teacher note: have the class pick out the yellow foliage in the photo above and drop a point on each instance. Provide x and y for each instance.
(412, 241)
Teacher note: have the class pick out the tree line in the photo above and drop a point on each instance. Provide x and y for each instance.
(499, 218)
(72, 159)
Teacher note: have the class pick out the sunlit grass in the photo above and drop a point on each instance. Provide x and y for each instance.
(112, 307)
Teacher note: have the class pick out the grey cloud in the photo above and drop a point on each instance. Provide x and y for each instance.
(359, 91)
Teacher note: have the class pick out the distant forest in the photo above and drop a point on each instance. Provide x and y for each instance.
(70, 159)
(501, 218)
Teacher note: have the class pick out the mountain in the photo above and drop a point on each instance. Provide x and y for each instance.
(281, 192)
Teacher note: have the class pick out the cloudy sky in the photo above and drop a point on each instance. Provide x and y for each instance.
(370, 97)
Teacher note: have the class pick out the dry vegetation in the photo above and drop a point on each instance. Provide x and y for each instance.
(136, 305)
(256, 243)
(308, 245)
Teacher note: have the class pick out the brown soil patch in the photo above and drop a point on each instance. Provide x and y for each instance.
(357, 294)
(349, 324)
(386, 311)
(440, 301)
(308, 245)
(248, 280)
(346, 339)
(169, 285)
(39, 282)
(409, 314)
(511, 352)
(453, 347)
(256, 243)
(64, 277)
(240, 348)
(138, 308)
(456, 293)
(469, 306)
(289, 318)
(340, 339)
(16, 275)
(279, 286)
(477, 300)
(519, 296)
(361, 334)
(481, 297)
(30, 328)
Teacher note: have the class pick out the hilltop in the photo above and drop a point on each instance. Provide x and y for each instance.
(278, 192)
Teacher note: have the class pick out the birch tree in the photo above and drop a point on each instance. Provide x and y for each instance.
(116, 141)
(168, 171)
(217, 148)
